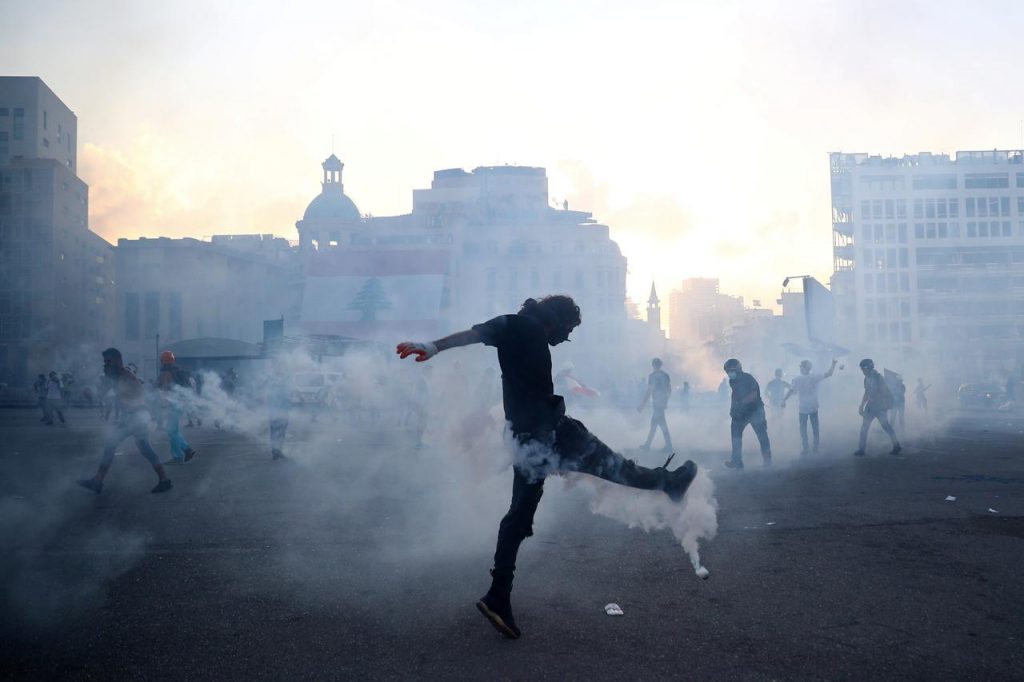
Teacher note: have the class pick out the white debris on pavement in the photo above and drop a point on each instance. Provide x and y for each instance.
(613, 609)
(950, 498)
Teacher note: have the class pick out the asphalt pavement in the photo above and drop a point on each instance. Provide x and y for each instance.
(357, 564)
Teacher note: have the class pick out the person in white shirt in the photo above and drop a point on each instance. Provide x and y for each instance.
(806, 387)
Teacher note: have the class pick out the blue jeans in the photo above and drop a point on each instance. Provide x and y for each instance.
(133, 424)
(172, 418)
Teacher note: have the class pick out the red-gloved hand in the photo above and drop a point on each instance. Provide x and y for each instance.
(422, 351)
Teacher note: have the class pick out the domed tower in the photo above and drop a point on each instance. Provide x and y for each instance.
(331, 218)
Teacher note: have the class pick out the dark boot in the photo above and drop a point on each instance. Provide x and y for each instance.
(678, 482)
(496, 605)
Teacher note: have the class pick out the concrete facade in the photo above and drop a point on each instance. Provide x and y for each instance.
(504, 241)
(56, 276)
(191, 289)
(699, 313)
(929, 255)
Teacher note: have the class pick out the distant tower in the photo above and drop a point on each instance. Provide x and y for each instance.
(654, 309)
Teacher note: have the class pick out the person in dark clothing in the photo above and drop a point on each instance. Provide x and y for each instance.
(659, 388)
(875, 404)
(747, 408)
(40, 388)
(549, 442)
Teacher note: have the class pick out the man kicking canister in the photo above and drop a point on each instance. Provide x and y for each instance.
(549, 442)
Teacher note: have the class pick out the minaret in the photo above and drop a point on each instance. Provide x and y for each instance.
(654, 309)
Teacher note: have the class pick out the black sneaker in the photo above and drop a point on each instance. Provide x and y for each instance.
(896, 449)
(499, 615)
(679, 480)
(859, 453)
(189, 454)
(163, 486)
(92, 484)
(733, 464)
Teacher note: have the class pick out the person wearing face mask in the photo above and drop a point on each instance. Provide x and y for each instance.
(747, 408)
(549, 442)
(134, 423)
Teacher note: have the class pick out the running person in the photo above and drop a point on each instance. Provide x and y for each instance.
(549, 441)
(134, 423)
(776, 392)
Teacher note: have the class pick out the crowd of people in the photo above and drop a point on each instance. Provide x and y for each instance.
(547, 440)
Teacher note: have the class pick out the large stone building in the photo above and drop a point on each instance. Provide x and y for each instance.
(929, 256)
(699, 312)
(492, 240)
(56, 276)
(181, 289)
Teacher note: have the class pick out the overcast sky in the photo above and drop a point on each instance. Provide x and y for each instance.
(698, 131)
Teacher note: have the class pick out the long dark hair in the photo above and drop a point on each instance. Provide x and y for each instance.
(553, 311)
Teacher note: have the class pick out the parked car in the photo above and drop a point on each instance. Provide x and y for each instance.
(985, 396)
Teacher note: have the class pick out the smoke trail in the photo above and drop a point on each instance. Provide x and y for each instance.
(695, 520)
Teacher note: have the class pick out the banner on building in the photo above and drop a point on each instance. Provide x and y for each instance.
(820, 310)
(386, 296)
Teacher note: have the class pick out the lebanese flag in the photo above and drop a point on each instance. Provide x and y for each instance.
(579, 388)
(374, 295)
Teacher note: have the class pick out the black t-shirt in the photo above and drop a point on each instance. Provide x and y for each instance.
(742, 386)
(525, 361)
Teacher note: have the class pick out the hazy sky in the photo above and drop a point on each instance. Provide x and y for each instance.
(698, 131)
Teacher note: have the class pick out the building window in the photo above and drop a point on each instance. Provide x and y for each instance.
(902, 231)
(919, 230)
(876, 209)
(929, 208)
(935, 181)
(954, 208)
(151, 314)
(890, 209)
(901, 209)
(865, 210)
(987, 180)
(903, 258)
(972, 228)
(131, 316)
(943, 231)
(174, 314)
(918, 208)
(1004, 206)
(969, 206)
(19, 124)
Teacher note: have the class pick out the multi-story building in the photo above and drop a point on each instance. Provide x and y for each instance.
(56, 276)
(169, 290)
(929, 255)
(502, 242)
(699, 313)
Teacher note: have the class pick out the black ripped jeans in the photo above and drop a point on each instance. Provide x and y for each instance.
(572, 448)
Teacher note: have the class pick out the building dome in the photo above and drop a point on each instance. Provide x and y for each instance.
(332, 204)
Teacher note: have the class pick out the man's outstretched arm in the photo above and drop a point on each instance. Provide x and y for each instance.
(425, 351)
